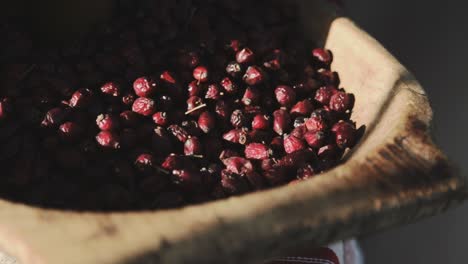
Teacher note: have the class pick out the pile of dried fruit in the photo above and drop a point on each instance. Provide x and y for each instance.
(170, 105)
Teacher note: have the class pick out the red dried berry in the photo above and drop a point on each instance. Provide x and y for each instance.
(173, 162)
(254, 75)
(238, 165)
(229, 86)
(111, 88)
(297, 159)
(144, 86)
(303, 107)
(194, 105)
(70, 130)
(345, 134)
(281, 121)
(342, 102)
(223, 109)
(293, 144)
(329, 152)
(108, 139)
(193, 146)
(236, 136)
(315, 139)
(275, 60)
(329, 77)
(145, 162)
(128, 99)
(107, 122)
(179, 132)
(81, 98)
(316, 123)
(261, 122)
(245, 56)
(251, 96)
(235, 45)
(206, 121)
(194, 89)
(299, 131)
(285, 95)
(129, 118)
(234, 69)
(257, 151)
(167, 77)
(213, 92)
(323, 56)
(238, 119)
(324, 94)
(144, 106)
(200, 74)
(160, 118)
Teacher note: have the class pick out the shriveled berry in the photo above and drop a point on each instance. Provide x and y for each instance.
(238, 119)
(213, 92)
(167, 77)
(228, 85)
(128, 98)
(129, 118)
(234, 69)
(111, 89)
(325, 93)
(54, 117)
(257, 151)
(81, 98)
(223, 109)
(315, 139)
(161, 118)
(316, 123)
(178, 132)
(293, 144)
(297, 159)
(200, 74)
(345, 134)
(303, 107)
(238, 165)
(108, 139)
(194, 89)
(145, 162)
(144, 106)
(206, 121)
(281, 121)
(145, 86)
(329, 77)
(70, 130)
(194, 105)
(342, 102)
(323, 56)
(261, 122)
(236, 136)
(299, 131)
(193, 146)
(254, 75)
(251, 96)
(107, 122)
(245, 56)
(285, 95)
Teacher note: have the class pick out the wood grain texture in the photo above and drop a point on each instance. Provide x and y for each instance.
(396, 175)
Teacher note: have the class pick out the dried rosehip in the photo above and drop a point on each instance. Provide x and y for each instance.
(160, 118)
(144, 86)
(299, 131)
(281, 121)
(206, 121)
(213, 92)
(234, 69)
(293, 144)
(81, 98)
(254, 75)
(299, 121)
(345, 134)
(261, 122)
(285, 95)
(128, 99)
(238, 119)
(316, 123)
(107, 122)
(315, 139)
(108, 139)
(303, 107)
(236, 136)
(167, 77)
(144, 106)
(257, 151)
(178, 132)
(194, 89)
(342, 102)
(145, 163)
(251, 96)
(324, 94)
(195, 105)
(245, 56)
(200, 74)
(70, 130)
(223, 109)
(323, 56)
(238, 165)
(228, 85)
(193, 146)
(329, 77)
(111, 88)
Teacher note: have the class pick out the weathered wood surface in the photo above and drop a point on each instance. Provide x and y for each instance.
(395, 176)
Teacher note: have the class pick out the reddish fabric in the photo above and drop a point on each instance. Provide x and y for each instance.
(318, 256)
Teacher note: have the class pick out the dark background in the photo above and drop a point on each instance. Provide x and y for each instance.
(431, 39)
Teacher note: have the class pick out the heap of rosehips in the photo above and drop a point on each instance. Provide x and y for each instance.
(140, 116)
